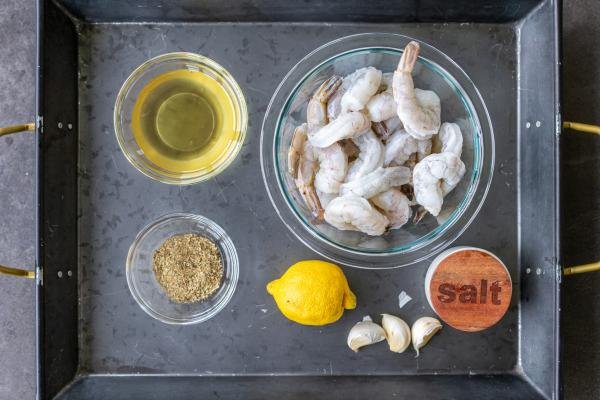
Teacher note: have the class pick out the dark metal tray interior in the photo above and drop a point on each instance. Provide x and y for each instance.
(95, 342)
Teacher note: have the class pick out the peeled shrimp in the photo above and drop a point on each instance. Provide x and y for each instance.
(449, 139)
(376, 182)
(434, 177)
(316, 111)
(370, 157)
(399, 147)
(307, 167)
(362, 84)
(333, 164)
(325, 198)
(382, 106)
(418, 110)
(353, 213)
(395, 206)
(345, 126)
(296, 148)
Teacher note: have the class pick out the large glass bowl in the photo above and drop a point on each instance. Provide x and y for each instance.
(146, 290)
(461, 104)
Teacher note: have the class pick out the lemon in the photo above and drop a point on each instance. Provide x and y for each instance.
(312, 292)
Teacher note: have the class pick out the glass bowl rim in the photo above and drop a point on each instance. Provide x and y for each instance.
(227, 247)
(480, 117)
(238, 98)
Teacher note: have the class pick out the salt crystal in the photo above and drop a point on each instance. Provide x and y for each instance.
(403, 298)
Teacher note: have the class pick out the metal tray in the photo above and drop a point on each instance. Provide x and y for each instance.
(93, 340)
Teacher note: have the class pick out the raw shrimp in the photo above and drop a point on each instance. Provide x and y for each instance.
(418, 110)
(296, 148)
(382, 106)
(423, 150)
(434, 177)
(353, 213)
(449, 139)
(376, 182)
(370, 157)
(316, 111)
(399, 148)
(345, 126)
(325, 198)
(333, 164)
(395, 206)
(307, 167)
(362, 84)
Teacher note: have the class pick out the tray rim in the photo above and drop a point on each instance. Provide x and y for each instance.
(557, 13)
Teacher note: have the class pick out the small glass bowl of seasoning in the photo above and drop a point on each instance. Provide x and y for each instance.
(180, 118)
(182, 269)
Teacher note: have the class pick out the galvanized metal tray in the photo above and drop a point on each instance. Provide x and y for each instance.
(93, 340)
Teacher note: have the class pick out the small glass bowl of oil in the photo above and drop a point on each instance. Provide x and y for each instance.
(180, 118)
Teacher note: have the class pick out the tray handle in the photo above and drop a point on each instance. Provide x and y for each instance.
(21, 273)
(594, 266)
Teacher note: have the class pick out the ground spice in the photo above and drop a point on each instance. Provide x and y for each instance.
(188, 267)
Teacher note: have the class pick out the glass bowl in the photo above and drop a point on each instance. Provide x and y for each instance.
(461, 103)
(149, 294)
(144, 76)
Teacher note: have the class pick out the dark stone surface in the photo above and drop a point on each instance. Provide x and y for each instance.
(581, 199)
(581, 187)
(17, 228)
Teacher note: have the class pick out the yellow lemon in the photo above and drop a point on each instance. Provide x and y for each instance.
(312, 292)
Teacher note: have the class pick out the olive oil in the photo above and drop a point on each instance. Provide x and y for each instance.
(184, 121)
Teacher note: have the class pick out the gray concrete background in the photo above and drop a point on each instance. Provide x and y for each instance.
(581, 200)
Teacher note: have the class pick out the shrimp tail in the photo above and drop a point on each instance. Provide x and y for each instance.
(381, 130)
(350, 148)
(419, 215)
(309, 194)
(296, 148)
(328, 88)
(312, 201)
(409, 57)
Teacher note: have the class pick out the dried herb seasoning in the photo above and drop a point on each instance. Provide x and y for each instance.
(188, 267)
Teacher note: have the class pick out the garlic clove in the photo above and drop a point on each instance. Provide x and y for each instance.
(397, 332)
(423, 330)
(364, 333)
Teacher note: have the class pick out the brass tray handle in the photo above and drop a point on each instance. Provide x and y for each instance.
(21, 273)
(595, 266)
(17, 128)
